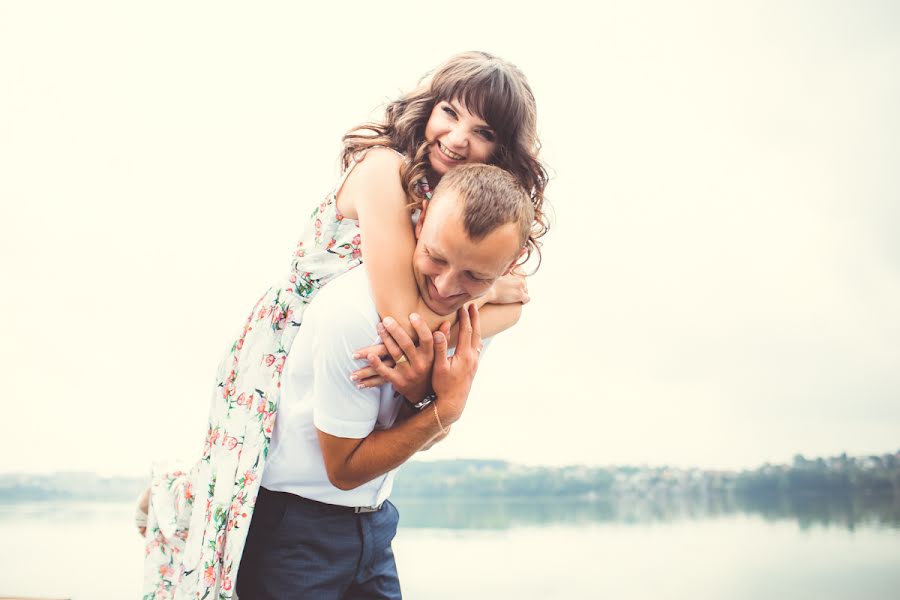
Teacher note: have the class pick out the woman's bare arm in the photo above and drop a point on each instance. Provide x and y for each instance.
(373, 193)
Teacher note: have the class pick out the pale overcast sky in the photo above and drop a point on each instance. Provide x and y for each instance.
(720, 288)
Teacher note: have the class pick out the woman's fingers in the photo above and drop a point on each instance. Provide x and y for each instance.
(368, 372)
(386, 373)
(379, 349)
(373, 381)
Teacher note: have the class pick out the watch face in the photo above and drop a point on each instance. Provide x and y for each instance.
(425, 401)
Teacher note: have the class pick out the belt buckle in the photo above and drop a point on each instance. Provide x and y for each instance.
(367, 509)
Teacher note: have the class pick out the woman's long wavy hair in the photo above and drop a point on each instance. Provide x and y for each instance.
(489, 87)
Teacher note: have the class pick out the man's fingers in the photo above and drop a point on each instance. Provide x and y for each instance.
(426, 340)
(476, 327)
(399, 336)
(464, 337)
(389, 342)
(441, 365)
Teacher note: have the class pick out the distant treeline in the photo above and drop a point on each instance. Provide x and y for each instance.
(471, 478)
(868, 474)
(872, 475)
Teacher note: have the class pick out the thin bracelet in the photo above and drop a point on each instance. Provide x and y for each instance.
(437, 416)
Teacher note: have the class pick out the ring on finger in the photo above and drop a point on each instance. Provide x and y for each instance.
(402, 359)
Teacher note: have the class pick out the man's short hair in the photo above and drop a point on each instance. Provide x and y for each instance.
(491, 198)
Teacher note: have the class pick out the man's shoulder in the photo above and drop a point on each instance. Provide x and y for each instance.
(344, 308)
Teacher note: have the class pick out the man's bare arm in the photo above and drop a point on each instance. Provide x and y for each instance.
(352, 462)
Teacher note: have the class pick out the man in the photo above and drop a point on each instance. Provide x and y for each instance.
(323, 525)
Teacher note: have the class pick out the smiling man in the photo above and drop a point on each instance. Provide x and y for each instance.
(323, 524)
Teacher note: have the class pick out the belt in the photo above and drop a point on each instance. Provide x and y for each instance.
(322, 505)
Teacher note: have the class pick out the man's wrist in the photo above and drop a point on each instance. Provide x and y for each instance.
(446, 410)
(423, 402)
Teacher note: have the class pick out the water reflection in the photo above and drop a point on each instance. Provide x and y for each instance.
(841, 511)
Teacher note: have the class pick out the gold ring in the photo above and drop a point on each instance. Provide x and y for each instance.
(402, 359)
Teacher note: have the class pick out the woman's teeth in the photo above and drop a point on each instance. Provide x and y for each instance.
(446, 152)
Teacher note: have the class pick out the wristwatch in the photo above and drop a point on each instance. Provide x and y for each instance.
(424, 401)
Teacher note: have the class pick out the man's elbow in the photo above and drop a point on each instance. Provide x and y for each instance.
(342, 480)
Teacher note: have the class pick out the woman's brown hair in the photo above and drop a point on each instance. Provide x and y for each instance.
(489, 87)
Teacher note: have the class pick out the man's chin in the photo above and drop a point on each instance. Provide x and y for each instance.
(440, 309)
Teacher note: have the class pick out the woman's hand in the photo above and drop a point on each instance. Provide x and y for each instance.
(408, 367)
(510, 288)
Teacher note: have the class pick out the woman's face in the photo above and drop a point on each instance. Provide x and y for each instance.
(457, 137)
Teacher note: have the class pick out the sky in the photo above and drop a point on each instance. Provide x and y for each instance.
(720, 286)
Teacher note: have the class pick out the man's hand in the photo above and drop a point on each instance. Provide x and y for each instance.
(409, 366)
(452, 376)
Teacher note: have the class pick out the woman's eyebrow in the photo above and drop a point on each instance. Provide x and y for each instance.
(459, 108)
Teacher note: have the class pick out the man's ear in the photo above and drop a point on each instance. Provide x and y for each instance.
(421, 219)
(515, 261)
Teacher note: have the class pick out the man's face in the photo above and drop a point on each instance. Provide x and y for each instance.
(450, 268)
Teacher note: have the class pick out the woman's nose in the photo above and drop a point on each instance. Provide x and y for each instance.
(458, 137)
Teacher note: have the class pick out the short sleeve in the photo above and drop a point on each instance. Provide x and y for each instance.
(339, 407)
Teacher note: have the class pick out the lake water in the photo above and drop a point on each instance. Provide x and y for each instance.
(521, 550)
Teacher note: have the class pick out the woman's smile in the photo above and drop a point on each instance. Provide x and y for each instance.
(449, 153)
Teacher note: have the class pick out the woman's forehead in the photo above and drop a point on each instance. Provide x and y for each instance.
(459, 103)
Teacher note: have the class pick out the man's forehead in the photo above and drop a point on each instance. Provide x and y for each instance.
(446, 237)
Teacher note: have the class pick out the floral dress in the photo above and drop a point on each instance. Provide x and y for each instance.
(198, 518)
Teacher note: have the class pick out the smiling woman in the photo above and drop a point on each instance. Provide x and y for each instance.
(475, 108)
(457, 137)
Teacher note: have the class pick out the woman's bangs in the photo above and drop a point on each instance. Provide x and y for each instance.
(491, 97)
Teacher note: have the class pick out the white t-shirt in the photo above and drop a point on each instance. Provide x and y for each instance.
(317, 393)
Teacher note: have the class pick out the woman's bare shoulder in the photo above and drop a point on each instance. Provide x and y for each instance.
(375, 176)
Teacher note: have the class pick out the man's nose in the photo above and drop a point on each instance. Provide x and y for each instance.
(447, 284)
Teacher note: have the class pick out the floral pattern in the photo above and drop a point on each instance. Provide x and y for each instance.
(198, 519)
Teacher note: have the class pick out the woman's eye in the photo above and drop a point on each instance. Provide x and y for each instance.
(450, 111)
(488, 135)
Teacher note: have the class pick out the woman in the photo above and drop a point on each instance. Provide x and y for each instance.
(474, 108)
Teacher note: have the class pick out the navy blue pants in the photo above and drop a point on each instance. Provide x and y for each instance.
(299, 548)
